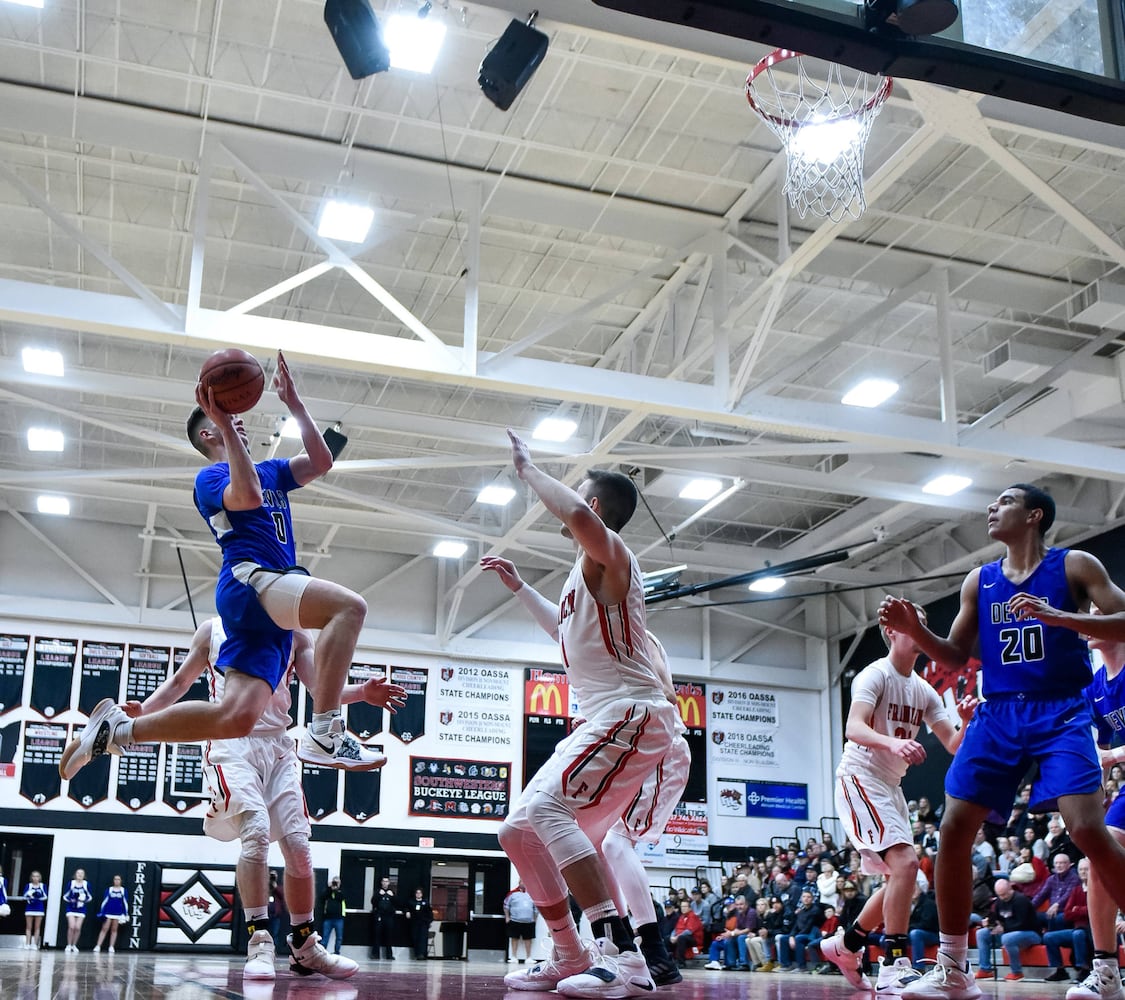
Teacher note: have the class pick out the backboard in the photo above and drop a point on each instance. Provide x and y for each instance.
(1060, 54)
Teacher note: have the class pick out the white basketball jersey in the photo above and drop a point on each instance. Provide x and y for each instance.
(606, 651)
(901, 704)
(275, 719)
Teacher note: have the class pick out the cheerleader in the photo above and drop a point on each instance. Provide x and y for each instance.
(76, 897)
(113, 913)
(36, 896)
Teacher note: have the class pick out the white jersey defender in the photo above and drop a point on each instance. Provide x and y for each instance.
(869, 798)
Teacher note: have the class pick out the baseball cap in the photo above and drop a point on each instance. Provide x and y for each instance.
(729, 900)
(671, 902)
(695, 889)
(802, 854)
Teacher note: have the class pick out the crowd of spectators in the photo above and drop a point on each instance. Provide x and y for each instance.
(770, 914)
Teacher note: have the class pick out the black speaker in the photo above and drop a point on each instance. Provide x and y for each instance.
(355, 30)
(335, 441)
(509, 65)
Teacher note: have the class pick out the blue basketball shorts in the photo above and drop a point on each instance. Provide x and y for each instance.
(1008, 734)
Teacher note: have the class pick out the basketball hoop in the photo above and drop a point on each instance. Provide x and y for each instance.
(824, 125)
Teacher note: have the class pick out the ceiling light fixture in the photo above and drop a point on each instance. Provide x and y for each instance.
(290, 428)
(496, 496)
(44, 439)
(767, 584)
(947, 485)
(345, 221)
(450, 550)
(557, 429)
(870, 392)
(39, 361)
(48, 504)
(38, 4)
(414, 41)
(701, 489)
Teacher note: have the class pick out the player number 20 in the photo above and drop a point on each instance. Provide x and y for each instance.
(1022, 644)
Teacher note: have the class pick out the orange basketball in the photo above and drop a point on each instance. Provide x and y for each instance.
(236, 379)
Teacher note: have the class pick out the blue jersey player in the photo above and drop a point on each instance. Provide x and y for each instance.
(261, 596)
(1034, 666)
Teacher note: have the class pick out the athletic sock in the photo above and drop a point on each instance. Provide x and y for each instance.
(296, 919)
(564, 936)
(896, 945)
(257, 917)
(954, 947)
(122, 735)
(606, 922)
(301, 933)
(322, 721)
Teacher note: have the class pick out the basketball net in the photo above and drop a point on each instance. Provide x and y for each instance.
(822, 113)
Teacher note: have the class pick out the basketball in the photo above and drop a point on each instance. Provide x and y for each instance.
(236, 379)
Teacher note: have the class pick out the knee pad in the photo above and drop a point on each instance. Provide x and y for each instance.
(298, 857)
(541, 876)
(254, 836)
(557, 827)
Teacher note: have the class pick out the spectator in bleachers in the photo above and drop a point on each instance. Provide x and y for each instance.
(1058, 839)
(1076, 933)
(982, 847)
(1007, 857)
(687, 936)
(1055, 892)
(1033, 838)
(926, 812)
(807, 920)
(1012, 923)
(717, 955)
(826, 888)
(930, 837)
(923, 925)
(925, 865)
(1029, 886)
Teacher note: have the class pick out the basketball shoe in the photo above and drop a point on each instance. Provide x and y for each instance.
(312, 958)
(335, 748)
(96, 738)
(1103, 983)
(945, 981)
(896, 976)
(546, 975)
(259, 957)
(850, 963)
(614, 976)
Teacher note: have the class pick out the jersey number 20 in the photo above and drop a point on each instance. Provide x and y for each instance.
(1022, 644)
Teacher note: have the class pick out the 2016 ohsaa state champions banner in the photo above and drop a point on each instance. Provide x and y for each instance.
(465, 789)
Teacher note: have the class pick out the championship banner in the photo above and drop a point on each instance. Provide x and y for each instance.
(200, 690)
(320, 785)
(361, 792)
(183, 776)
(364, 720)
(546, 706)
(409, 722)
(13, 663)
(43, 745)
(465, 789)
(743, 724)
(9, 742)
(90, 785)
(684, 841)
(480, 706)
(692, 702)
(52, 673)
(763, 799)
(137, 769)
(148, 669)
(101, 673)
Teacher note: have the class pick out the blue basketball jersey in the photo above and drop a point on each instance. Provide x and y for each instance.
(1027, 657)
(263, 535)
(1106, 696)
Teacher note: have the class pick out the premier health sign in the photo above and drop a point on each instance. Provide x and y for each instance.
(763, 799)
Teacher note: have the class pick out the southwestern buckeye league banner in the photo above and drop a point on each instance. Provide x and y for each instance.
(465, 789)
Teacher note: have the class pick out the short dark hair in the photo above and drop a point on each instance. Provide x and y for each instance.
(195, 421)
(1036, 499)
(617, 496)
